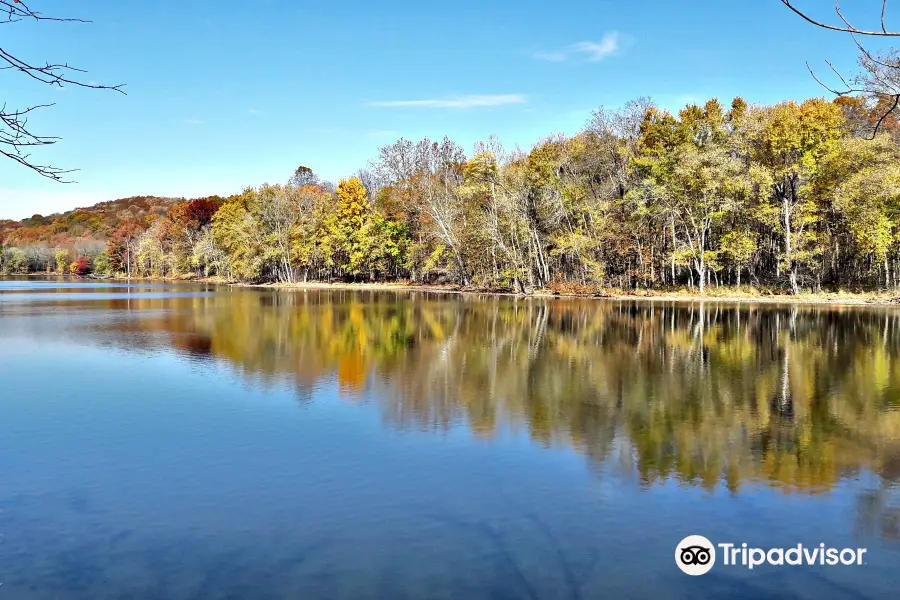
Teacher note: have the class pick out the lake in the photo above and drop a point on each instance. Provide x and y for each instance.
(191, 441)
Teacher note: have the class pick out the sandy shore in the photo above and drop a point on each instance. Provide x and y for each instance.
(830, 298)
(714, 295)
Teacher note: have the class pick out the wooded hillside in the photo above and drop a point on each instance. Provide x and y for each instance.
(793, 196)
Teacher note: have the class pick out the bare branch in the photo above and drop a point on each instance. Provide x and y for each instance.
(826, 86)
(15, 135)
(52, 74)
(17, 10)
(868, 55)
(848, 28)
(881, 77)
(885, 115)
(836, 72)
(50, 172)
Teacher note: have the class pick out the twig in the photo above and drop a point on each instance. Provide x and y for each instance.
(848, 27)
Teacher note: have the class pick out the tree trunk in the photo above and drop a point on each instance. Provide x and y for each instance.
(795, 286)
(672, 223)
(700, 265)
(791, 265)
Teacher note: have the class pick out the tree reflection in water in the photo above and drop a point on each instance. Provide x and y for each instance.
(706, 394)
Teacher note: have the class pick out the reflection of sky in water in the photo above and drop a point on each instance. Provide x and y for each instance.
(360, 446)
(42, 297)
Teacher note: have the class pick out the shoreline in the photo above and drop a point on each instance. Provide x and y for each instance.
(723, 295)
(825, 298)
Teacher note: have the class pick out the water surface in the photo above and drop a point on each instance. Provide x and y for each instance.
(190, 441)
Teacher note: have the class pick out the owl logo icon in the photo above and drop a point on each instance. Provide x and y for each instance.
(695, 555)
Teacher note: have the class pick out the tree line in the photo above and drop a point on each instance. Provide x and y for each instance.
(795, 196)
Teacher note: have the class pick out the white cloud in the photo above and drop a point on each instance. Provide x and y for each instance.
(253, 111)
(193, 121)
(597, 51)
(608, 45)
(456, 102)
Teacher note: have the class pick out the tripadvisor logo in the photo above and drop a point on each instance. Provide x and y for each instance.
(696, 555)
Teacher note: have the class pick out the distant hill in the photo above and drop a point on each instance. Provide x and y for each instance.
(93, 223)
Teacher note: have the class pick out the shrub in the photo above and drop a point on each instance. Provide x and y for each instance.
(81, 266)
(573, 288)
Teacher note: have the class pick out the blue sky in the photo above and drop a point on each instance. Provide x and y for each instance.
(226, 94)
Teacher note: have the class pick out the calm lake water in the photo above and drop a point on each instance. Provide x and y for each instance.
(185, 441)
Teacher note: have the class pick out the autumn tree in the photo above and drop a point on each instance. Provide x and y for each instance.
(239, 236)
(424, 194)
(863, 179)
(737, 248)
(81, 266)
(124, 243)
(497, 197)
(303, 176)
(62, 260)
(788, 154)
(351, 227)
(185, 226)
(878, 83)
(708, 183)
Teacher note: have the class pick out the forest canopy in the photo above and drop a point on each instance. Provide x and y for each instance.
(796, 195)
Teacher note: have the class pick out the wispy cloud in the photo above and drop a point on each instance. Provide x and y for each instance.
(193, 121)
(253, 111)
(608, 45)
(470, 101)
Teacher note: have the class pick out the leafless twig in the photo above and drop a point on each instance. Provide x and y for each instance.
(15, 136)
(882, 80)
(847, 28)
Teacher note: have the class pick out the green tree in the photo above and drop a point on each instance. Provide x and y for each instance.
(15, 261)
(692, 170)
(101, 264)
(311, 242)
(238, 235)
(738, 248)
(62, 260)
(351, 227)
(788, 152)
(867, 196)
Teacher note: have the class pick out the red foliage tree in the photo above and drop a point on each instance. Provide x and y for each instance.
(81, 266)
(193, 214)
(123, 243)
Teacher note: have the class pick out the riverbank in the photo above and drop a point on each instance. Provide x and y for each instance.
(728, 295)
(743, 294)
